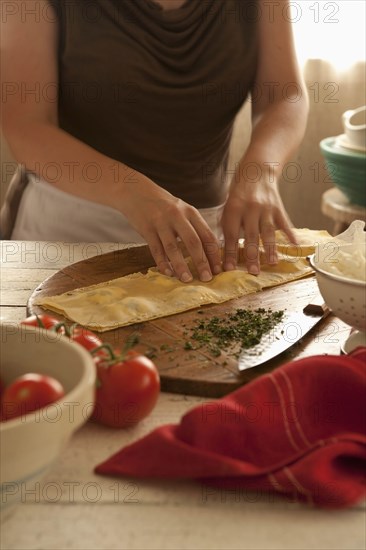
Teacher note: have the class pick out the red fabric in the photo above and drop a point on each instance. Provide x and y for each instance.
(298, 431)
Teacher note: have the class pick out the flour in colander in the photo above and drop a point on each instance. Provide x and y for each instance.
(350, 264)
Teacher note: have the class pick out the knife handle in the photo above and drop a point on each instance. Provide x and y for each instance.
(314, 308)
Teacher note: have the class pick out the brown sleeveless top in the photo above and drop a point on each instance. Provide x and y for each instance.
(158, 90)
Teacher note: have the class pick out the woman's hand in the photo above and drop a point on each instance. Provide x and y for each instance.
(254, 209)
(279, 120)
(163, 220)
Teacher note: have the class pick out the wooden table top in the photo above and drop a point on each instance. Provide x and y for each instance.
(75, 509)
(337, 206)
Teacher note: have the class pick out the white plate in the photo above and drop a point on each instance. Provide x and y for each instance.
(343, 141)
(354, 340)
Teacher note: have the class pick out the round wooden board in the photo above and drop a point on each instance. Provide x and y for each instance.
(193, 372)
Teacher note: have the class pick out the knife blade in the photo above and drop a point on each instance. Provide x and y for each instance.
(293, 326)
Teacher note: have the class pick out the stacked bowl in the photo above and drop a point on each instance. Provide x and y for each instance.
(345, 156)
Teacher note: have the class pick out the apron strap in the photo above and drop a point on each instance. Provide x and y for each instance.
(13, 196)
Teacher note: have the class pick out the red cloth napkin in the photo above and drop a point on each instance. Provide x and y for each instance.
(298, 431)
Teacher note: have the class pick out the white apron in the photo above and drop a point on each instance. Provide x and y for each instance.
(48, 214)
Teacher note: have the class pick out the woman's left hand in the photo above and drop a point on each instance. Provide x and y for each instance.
(254, 207)
(253, 210)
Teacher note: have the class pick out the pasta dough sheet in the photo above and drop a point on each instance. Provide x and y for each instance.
(308, 240)
(141, 297)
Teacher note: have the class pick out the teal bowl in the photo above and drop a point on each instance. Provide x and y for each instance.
(346, 169)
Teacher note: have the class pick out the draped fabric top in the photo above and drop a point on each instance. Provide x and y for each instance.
(158, 89)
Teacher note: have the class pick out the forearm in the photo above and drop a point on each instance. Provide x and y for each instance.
(159, 217)
(277, 134)
(69, 164)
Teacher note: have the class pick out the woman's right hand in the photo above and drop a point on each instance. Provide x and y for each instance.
(163, 221)
(29, 48)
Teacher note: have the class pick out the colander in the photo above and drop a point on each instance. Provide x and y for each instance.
(346, 297)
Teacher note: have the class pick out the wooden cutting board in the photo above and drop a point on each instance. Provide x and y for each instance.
(194, 372)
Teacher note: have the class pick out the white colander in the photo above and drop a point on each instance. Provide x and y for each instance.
(346, 297)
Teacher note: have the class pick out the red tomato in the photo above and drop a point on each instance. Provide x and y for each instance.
(76, 333)
(41, 321)
(84, 337)
(29, 393)
(89, 340)
(127, 389)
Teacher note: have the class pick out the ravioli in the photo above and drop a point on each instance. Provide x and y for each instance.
(141, 297)
(308, 240)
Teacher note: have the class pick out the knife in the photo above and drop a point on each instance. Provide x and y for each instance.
(292, 327)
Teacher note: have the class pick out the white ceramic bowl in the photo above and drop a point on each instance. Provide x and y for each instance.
(31, 443)
(354, 124)
(344, 296)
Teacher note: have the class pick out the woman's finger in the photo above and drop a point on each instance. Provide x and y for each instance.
(231, 224)
(158, 253)
(267, 230)
(207, 248)
(251, 241)
(174, 254)
(284, 223)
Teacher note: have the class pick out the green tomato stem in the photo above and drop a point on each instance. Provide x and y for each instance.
(63, 325)
(40, 323)
(108, 347)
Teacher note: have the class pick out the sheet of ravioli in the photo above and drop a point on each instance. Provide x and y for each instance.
(141, 297)
(308, 240)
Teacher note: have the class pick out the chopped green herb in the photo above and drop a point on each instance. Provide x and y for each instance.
(188, 345)
(165, 347)
(215, 351)
(239, 330)
(132, 340)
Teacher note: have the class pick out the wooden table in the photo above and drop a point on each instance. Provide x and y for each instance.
(336, 206)
(76, 509)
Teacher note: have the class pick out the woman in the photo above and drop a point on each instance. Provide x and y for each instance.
(122, 115)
